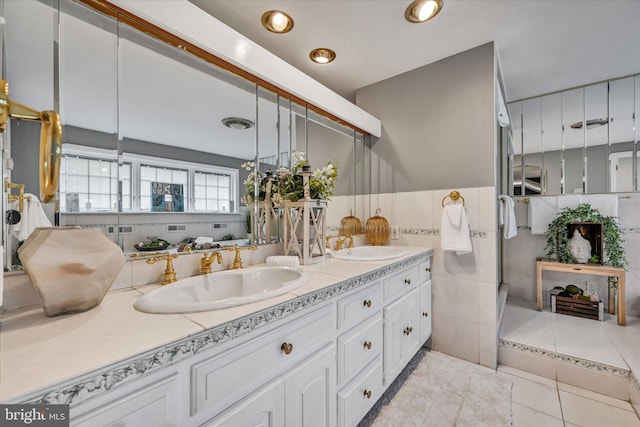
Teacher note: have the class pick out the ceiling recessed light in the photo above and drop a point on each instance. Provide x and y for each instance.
(322, 55)
(422, 10)
(277, 21)
(591, 124)
(237, 123)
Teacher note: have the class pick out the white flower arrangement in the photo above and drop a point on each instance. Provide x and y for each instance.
(287, 184)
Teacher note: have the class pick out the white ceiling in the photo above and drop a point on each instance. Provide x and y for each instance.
(543, 46)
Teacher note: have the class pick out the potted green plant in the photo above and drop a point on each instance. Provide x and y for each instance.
(557, 238)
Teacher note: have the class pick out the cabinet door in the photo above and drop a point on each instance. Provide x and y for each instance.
(425, 311)
(264, 408)
(393, 360)
(411, 319)
(310, 391)
(401, 334)
(156, 404)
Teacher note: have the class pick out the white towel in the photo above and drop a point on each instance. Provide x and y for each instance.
(283, 261)
(542, 211)
(454, 229)
(203, 240)
(569, 201)
(32, 217)
(507, 216)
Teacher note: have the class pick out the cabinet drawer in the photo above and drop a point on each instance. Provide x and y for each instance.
(400, 283)
(425, 270)
(216, 383)
(355, 400)
(353, 309)
(358, 347)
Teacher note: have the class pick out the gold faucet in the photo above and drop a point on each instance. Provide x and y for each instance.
(341, 239)
(169, 272)
(237, 261)
(207, 260)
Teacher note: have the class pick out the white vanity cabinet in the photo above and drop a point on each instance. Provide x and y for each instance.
(154, 401)
(300, 353)
(321, 359)
(305, 397)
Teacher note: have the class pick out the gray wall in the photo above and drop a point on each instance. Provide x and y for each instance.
(437, 125)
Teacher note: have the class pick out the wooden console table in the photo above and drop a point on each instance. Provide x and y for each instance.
(594, 269)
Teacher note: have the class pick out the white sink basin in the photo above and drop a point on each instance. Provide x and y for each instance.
(221, 290)
(368, 253)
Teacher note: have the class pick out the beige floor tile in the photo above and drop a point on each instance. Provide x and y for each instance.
(526, 375)
(590, 413)
(596, 396)
(541, 397)
(524, 416)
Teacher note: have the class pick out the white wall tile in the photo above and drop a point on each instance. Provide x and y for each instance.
(456, 298)
(631, 247)
(413, 210)
(487, 304)
(487, 202)
(337, 208)
(479, 265)
(386, 203)
(455, 337)
(632, 288)
(123, 280)
(628, 211)
(487, 347)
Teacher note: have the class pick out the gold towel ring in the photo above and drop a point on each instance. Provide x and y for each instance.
(50, 139)
(454, 195)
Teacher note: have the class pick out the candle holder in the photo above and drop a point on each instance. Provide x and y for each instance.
(305, 173)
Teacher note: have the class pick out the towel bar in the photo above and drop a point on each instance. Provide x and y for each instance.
(454, 195)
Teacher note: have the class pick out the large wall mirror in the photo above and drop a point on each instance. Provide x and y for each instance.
(154, 137)
(583, 140)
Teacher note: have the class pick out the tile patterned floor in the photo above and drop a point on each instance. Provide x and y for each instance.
(445, 391)
(609, 343)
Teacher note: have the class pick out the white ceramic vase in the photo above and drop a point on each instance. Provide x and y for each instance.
(580, 247)
(71, 268)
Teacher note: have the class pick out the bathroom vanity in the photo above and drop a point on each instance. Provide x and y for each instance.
(322, 355)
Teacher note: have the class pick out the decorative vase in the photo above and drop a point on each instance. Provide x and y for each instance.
(580, 247)
(350, 225)
(71, 268)
(377, 230)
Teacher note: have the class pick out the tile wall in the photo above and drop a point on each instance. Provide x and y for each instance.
(521, 253)
(464, 288)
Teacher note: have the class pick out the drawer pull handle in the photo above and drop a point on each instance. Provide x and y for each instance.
(425, 314)
(367, 345)
(286, 348)
(367, 303)
(428, 269)
(408, 330)
(367, 394)
(407, 281)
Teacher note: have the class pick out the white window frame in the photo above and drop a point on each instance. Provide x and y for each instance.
(136, 160)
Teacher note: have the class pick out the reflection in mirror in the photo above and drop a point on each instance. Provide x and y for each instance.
(596, 138)
(185, 128)
(29, 70)
(154, 136)
(581, 140)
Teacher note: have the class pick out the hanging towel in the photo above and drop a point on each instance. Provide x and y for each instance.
(507, 216)
(542, 211)
(32, 217)
(454, 229)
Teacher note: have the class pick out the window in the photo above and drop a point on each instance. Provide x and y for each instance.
(149, 174)
(90, 184)
(212, 192)
(90, 181)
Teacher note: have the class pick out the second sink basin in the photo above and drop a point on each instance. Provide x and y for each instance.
(368, 253)
(221, 290)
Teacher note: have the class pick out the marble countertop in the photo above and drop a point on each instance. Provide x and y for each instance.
(38, 352)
